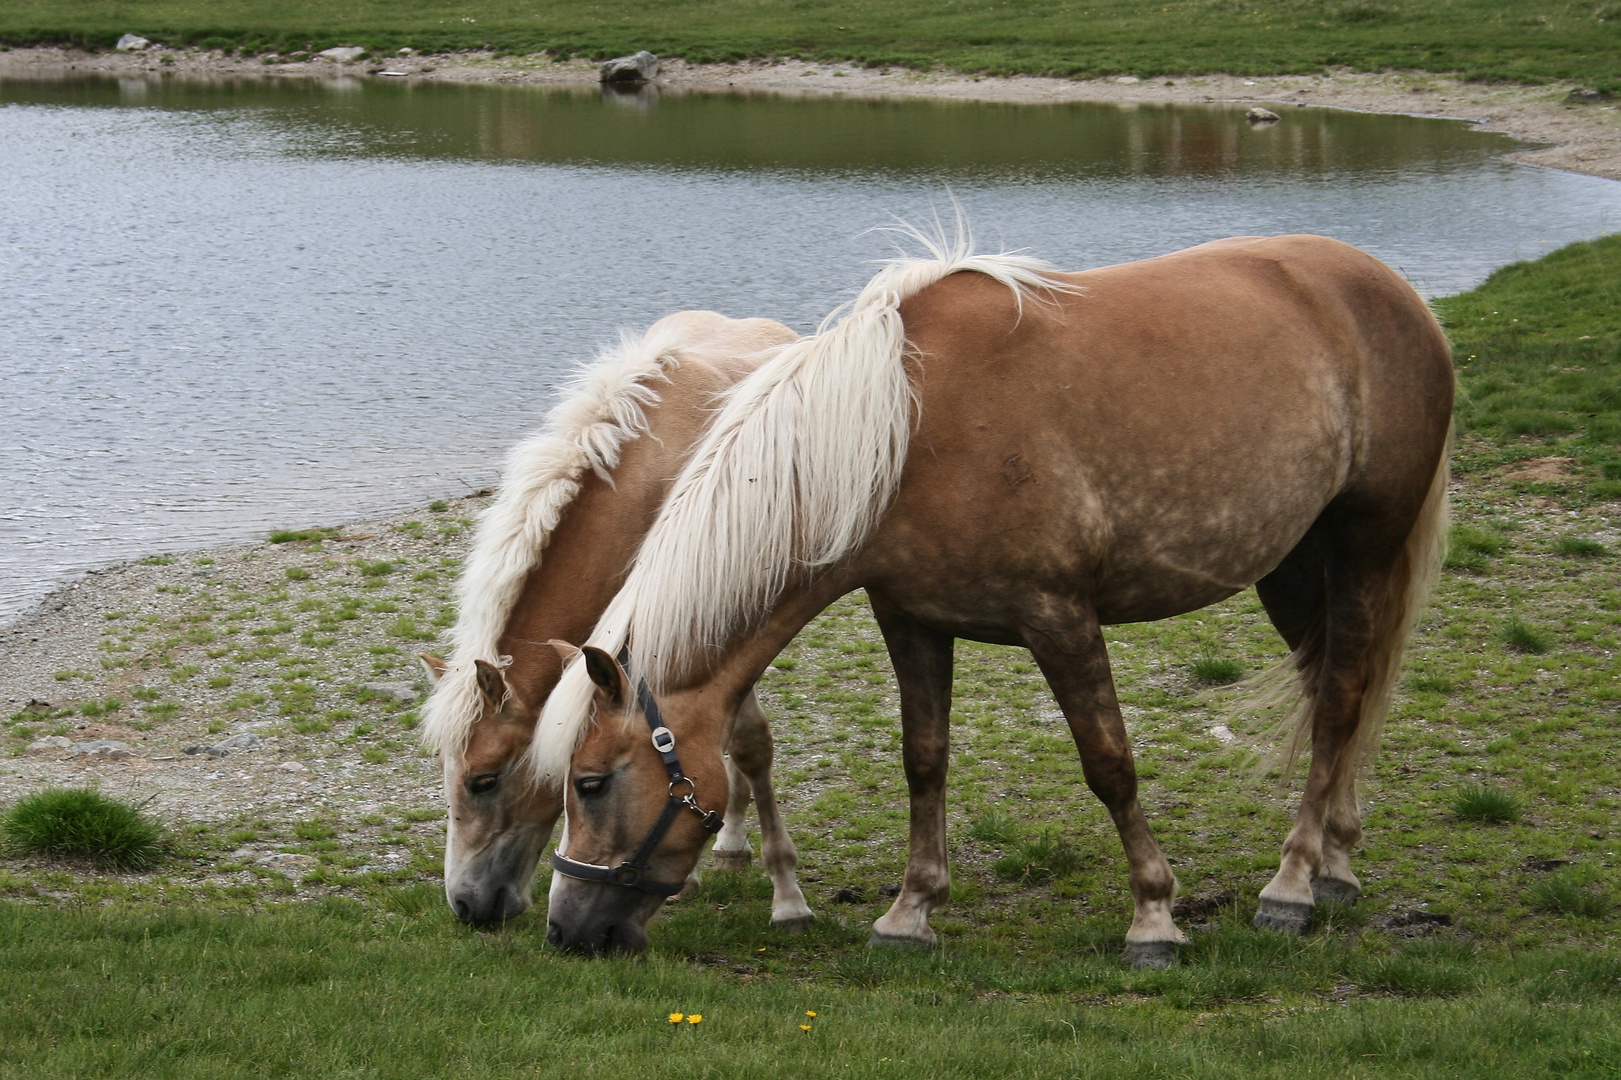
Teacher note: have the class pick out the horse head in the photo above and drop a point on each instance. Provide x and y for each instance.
(500, 819)
(644, 792)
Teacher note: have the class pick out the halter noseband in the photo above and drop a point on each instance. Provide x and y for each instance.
(632, 873)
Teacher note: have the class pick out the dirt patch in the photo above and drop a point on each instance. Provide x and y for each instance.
(1582, 137)
(1542, 470)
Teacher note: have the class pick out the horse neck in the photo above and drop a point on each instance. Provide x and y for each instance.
(713, 695)
(588, 553)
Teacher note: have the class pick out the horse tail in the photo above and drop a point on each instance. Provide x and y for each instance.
(798, 464)
(1289, 687)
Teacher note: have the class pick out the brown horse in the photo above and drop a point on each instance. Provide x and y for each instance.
(1113, 446)
(582, 494)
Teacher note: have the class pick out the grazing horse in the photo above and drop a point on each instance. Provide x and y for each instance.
(997, 451)
(582, 493)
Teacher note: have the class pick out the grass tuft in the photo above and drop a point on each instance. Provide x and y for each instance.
(1481, 802)
(294, 536)
(1217, 670)
(66, 822)
(1469, 547)
(1522, 637)
(995, 827)
(1579, 546)
(1045, 858)
(1571, 892)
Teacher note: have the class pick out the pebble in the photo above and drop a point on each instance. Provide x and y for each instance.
(49, 742)
(343, 54)
(1259, 115)
(402, 692)
(288, 863)
(131, 43)
(293, 766)
(104, 750)
(245, 741)
(1222, 733)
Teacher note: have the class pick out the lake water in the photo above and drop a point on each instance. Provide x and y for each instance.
(228, 308)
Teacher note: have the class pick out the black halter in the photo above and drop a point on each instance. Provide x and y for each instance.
(632, 873)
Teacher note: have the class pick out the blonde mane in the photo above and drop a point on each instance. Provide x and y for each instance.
(790, 477)
(604, 407)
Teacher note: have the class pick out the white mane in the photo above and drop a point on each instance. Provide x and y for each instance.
(604, 408)
(790, 477)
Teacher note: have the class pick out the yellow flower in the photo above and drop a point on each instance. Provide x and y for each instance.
(804, 1027)
(810, 1014)
(696, 1018)
(676, 1018)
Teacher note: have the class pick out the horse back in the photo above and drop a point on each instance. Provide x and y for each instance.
(1166, 435)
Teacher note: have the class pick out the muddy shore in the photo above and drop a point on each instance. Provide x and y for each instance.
(1579, 137)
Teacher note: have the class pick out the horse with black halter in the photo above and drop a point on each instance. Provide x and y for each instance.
(548, 555)
(997, 451)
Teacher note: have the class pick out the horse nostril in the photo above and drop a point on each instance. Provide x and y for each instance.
(554, 934)
(464, 910)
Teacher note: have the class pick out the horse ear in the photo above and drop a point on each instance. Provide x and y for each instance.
(491, 681)
(434, 666)
(565, 651)
(607, 674)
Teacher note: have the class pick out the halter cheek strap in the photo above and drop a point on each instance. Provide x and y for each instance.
(633, 872)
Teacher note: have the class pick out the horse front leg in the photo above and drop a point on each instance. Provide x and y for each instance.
(1072, 656)
(752, 751)
(922, 659)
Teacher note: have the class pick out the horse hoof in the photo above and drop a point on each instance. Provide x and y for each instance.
(730, 860)
(796, 925)
(1151, 954)
(890, 941)
(1334, 890)
(1284, 916)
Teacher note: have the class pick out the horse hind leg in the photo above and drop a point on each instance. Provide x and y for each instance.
(1373, 587)
(1295, 598)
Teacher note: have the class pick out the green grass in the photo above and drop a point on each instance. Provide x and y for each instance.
(1521, 636)
(1492, 805)
(1579, 546)
(1480, 39)
(1217, 670)
(191, 993)
(81, 823)
(1538, 350)
(1572, 892)
(295, 536)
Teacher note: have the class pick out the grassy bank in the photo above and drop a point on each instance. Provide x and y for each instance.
(1478, 39)
(1538, 348)
(1485, 944)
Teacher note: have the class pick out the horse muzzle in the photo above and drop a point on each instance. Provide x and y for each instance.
(487, 906)
(593, 919)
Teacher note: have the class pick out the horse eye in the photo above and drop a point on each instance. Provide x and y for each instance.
(483, 782)
(591, 785)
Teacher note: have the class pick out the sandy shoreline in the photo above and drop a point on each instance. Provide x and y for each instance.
(1581, 138)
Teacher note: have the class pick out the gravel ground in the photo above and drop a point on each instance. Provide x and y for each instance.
(298, 657)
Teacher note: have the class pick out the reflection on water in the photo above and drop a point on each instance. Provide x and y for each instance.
(821, 136)
(233, 307)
